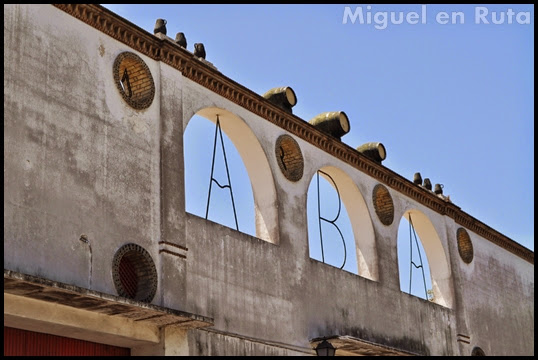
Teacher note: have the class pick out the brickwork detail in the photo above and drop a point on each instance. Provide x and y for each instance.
(383, 205)
(133, 80)
(134, 273)
(465, 246)
(289, 157)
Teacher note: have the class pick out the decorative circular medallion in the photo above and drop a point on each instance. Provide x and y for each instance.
(133, 80)
(383, 205)
(289, 157)
(134, 273)
(465, 246)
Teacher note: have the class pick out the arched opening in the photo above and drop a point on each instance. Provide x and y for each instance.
(415, 278)
(252, 186)
(346, 239)
(422, 262)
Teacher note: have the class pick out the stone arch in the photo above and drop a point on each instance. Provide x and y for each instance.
(361, 223)
(256, 164)
(440, 273)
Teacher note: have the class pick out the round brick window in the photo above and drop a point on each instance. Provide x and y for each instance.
(478, 352)
(465, 246)
(134, 273)
(133, 80)
(289, 157)
(383, 205)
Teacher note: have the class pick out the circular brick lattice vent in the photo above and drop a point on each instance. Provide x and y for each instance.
(383, 205)
(134, 273)
(478, 352)
(289, 157)
(465, 246)
(133, 80)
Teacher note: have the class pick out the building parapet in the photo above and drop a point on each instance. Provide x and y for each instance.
(191, 67)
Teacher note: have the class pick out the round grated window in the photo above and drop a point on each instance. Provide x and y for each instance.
(289, 157)
(465, 246)
(128, 277)
(134, 273)
(133, 80)
(383, 205)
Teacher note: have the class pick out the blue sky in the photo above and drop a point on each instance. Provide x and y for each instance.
(451, 101)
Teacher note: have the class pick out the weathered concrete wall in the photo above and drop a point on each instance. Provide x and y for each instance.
(214, 343)
(247, 276)
(496, 293)
(78, 160)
